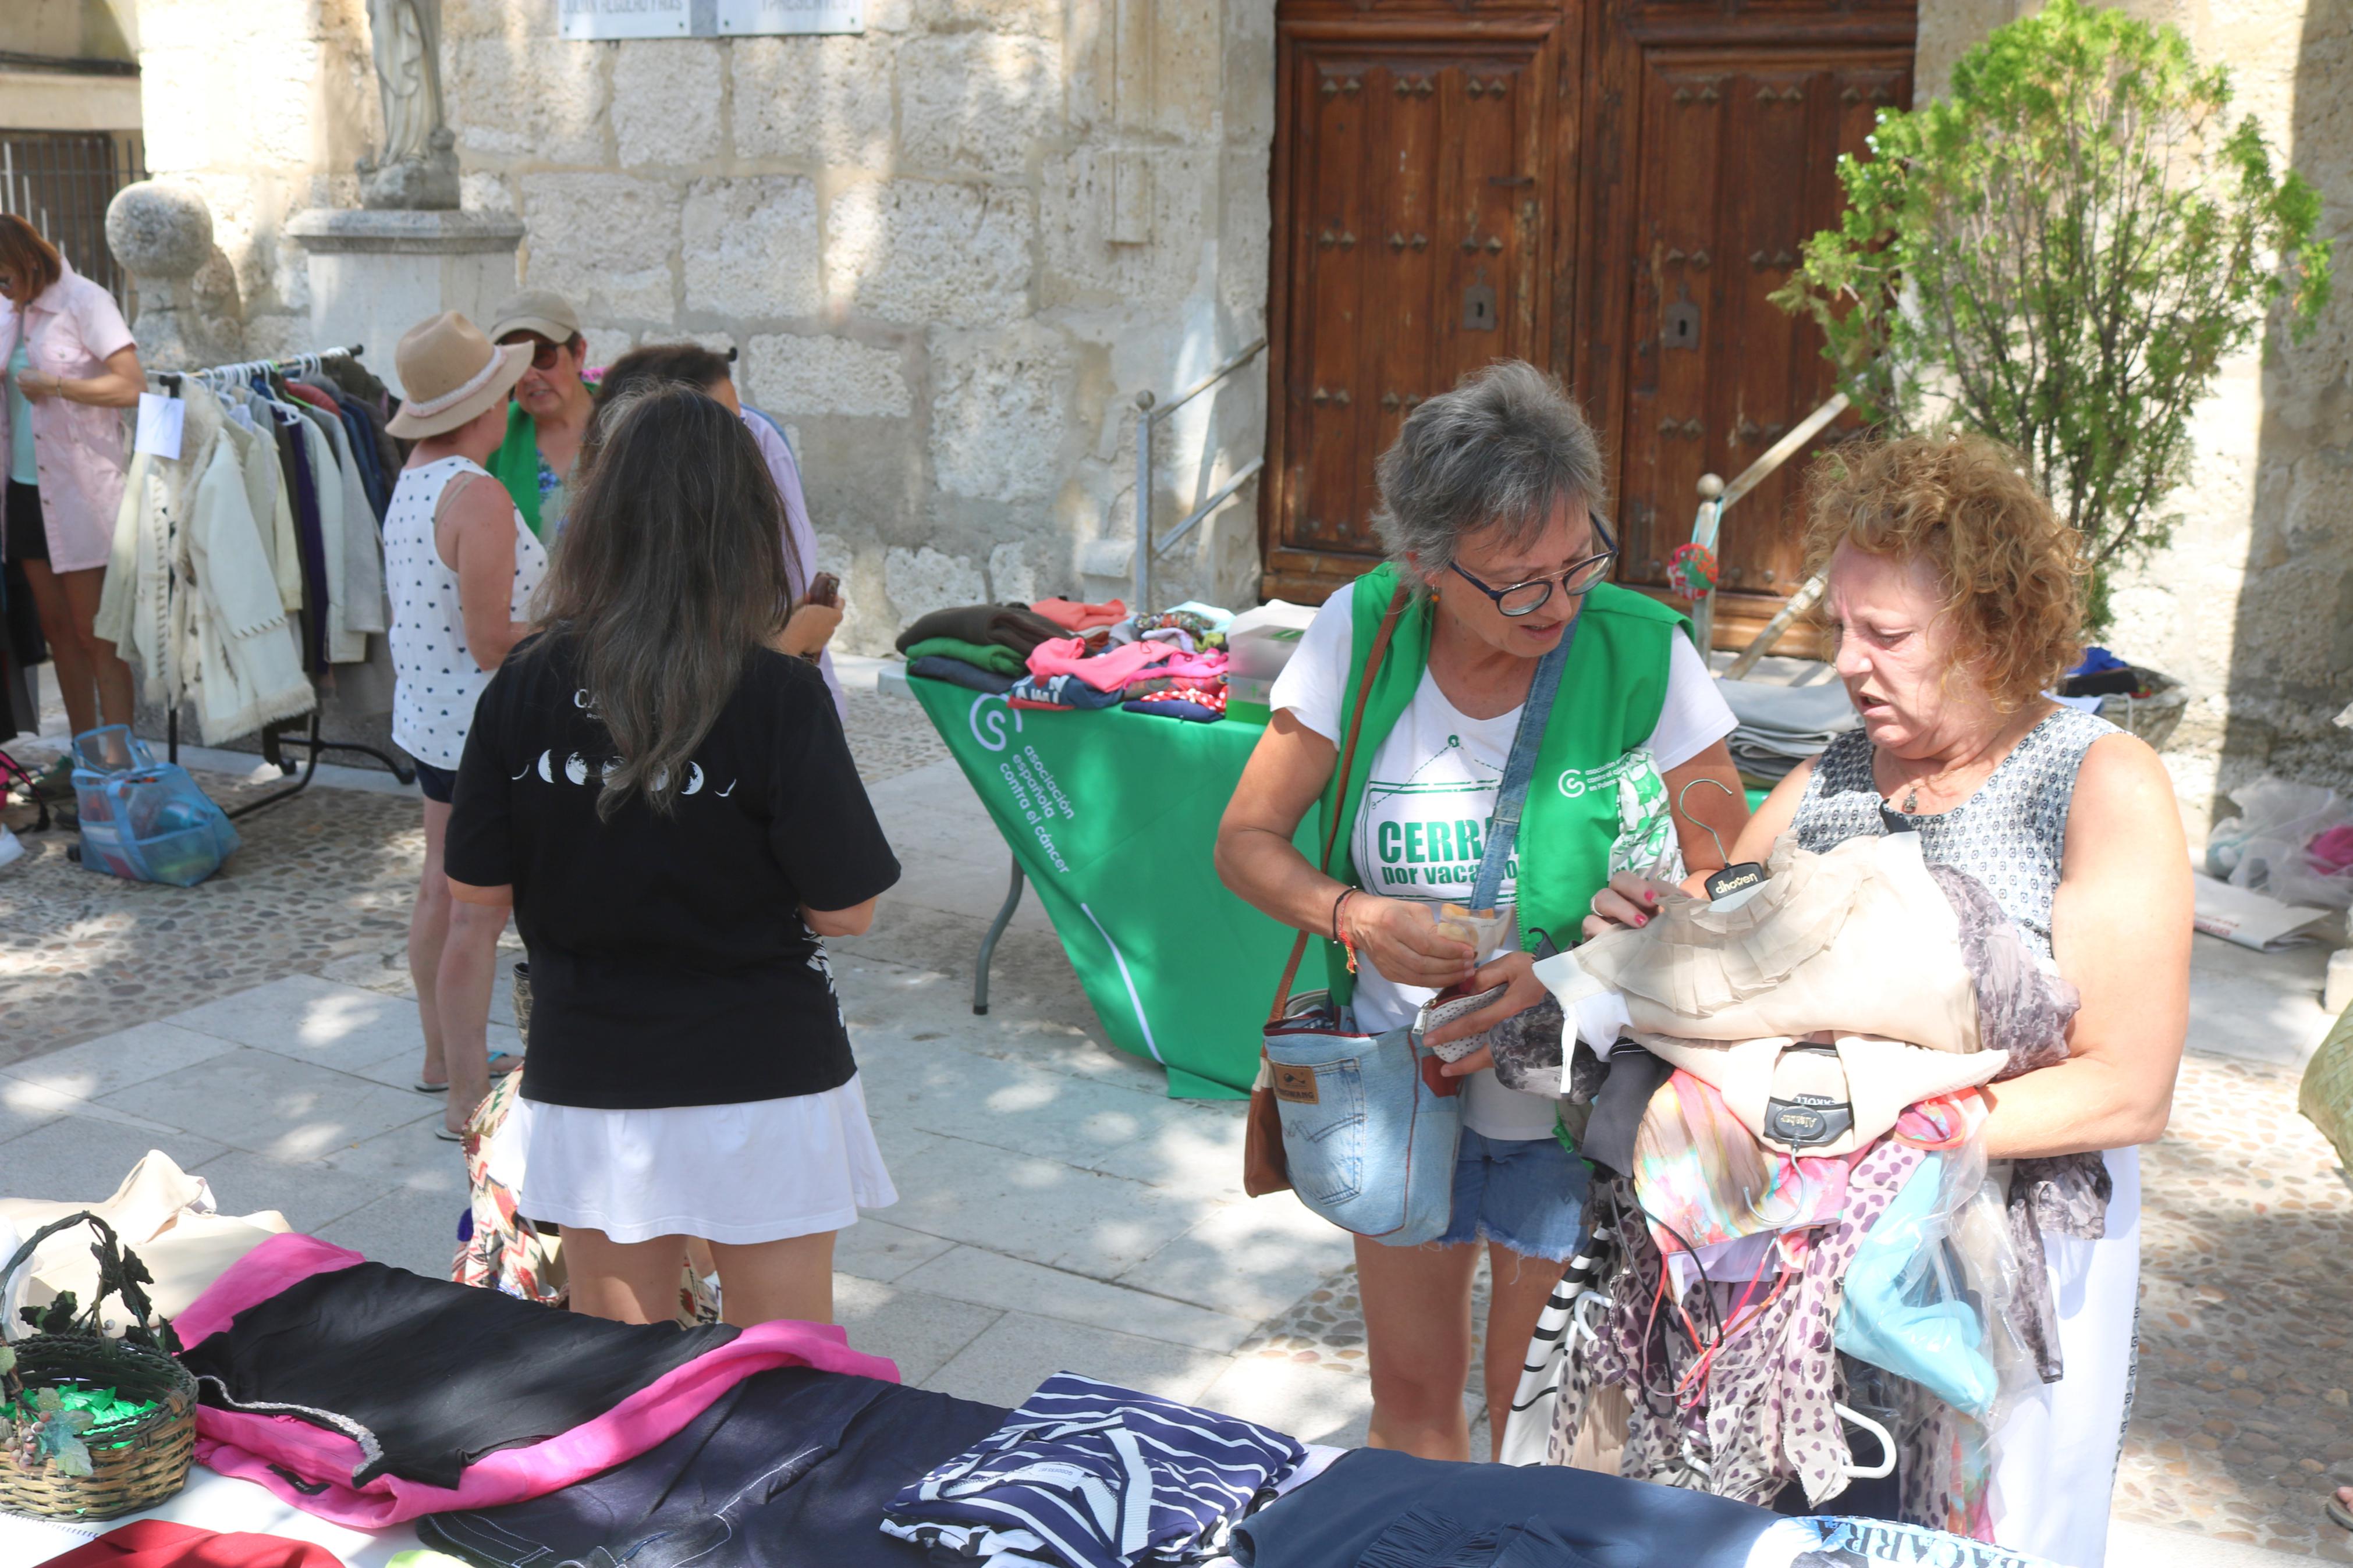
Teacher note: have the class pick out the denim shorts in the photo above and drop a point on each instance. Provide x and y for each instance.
(1524, 1194)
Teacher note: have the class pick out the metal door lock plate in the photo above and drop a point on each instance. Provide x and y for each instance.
(1679, 325)
(1479, 307)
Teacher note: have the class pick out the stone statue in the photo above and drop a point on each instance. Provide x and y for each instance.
(419, 165)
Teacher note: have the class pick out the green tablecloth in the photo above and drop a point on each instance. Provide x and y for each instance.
(1114, 818)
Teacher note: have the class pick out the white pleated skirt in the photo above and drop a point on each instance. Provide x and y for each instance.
(764, 1171)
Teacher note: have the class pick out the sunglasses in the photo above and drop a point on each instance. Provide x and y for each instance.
(1578, 579)
(543, 353)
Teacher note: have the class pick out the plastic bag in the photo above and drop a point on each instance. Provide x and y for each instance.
(144, 820)
(2292, 842)
(1928, 1293)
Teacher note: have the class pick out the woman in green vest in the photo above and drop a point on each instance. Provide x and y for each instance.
(1489, 515)
(549, 417)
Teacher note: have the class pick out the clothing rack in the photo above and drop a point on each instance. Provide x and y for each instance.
(274, 737)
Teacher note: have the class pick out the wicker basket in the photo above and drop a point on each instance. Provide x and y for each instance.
(135, 1464)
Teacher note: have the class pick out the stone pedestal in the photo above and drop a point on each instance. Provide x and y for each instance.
(376, 274)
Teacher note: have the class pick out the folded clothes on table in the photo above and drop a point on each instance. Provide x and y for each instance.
(956, 672)
(1091, 1474)
(995, 657)
(369, 1395)
(157, 1543)
(1780, 726)
(1064, 692)
(1073, 616)
(791, 1469)
(1172, 706)
(1108, 671)
(1377, 1507)
(1016, 626)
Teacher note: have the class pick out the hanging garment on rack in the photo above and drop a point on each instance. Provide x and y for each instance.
(247, 670)
(265, 492)
(347, 644)
(361, 581)
(310, 540)
(191, 596)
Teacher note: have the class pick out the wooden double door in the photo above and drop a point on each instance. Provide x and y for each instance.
(1609, 189)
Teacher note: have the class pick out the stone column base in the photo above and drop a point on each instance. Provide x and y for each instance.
(376, 274)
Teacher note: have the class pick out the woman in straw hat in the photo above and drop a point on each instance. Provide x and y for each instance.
(460, 568)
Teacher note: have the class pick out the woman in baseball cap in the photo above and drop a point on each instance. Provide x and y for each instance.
(552, 404)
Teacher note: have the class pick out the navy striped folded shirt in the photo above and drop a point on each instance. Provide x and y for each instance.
(1091, 1474)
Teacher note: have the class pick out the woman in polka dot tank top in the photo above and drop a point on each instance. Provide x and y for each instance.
(460, 569)
(1953, 600)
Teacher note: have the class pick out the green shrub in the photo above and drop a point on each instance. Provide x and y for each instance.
(2060, 254)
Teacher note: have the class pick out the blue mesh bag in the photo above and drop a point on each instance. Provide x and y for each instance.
(144, 820)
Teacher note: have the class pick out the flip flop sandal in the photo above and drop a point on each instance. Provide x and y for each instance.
(514, 1064)
(2338, 1513)
(446, 1136)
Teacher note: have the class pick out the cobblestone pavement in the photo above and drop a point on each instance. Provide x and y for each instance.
(325, 876)
(2241, 1421)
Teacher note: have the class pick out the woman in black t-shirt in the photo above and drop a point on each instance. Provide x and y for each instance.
(658, 784)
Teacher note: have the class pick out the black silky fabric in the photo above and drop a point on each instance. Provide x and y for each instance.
(1367, 1496)
(427, 1375)
(790, 1469)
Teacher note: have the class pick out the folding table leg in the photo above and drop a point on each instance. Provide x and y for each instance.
(988, 944)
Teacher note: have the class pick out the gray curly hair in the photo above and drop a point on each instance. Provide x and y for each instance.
(1504, 450)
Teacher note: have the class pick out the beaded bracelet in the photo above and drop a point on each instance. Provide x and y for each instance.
(1337, 935)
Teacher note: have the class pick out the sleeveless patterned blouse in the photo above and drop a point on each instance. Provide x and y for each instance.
(2010, 835)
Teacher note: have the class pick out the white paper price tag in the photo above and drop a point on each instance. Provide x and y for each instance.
(161, 421)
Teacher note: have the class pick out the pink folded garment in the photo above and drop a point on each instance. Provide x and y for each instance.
(1073, 616)
(1108, 671)
(263, 1448)
(1195, 667)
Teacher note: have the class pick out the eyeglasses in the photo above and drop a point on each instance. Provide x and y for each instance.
(543, 352)
(1577, 580)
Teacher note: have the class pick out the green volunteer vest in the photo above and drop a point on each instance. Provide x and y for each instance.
(516, 465)
(1577, 809)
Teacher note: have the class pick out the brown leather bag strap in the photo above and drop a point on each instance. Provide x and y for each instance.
(1348, 763)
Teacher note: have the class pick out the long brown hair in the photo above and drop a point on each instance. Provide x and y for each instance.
(670, 574)
(24, 252)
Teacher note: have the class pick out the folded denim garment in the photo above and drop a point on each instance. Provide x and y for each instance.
(993, 657)
(1066, 691)
(1174, 708)
(789, 1469)
(1338, 1519)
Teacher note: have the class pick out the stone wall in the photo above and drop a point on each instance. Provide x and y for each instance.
(261, 107)
(2251, 601)
(949, 251)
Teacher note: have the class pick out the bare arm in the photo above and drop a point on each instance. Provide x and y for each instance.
(2120, 928)
(1256, 859)
(117, 386)
(475, 533)
(854, 921)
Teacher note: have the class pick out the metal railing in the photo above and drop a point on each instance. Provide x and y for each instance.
(1149, 413)
(1717, 498)
(60, 181)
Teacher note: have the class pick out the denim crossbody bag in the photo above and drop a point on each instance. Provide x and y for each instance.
(1369, 1127)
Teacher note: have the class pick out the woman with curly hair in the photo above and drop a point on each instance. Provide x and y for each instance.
(1954, 598)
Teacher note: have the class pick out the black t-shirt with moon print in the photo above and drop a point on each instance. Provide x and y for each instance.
(669, 965)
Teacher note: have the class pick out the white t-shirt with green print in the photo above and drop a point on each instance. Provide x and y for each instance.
(1423, 823)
